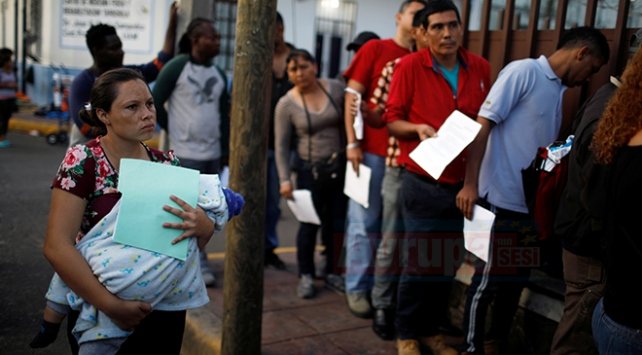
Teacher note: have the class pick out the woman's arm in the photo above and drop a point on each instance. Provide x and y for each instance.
(65, 216)
(282, 134)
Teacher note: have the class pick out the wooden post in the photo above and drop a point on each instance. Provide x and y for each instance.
(243, 285)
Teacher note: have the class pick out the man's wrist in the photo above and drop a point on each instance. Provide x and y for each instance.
(353, 145)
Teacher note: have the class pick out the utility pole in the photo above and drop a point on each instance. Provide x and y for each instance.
(243, 285)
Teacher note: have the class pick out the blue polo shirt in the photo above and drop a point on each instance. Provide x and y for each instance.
(526, 104)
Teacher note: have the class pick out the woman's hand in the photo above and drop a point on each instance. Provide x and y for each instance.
(195, 222)
(354, 154)
(286, 190)
(127, 314)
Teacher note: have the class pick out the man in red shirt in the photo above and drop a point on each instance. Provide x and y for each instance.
(427, 87)
(364, 224)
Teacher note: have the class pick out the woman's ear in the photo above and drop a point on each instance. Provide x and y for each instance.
(102, 116)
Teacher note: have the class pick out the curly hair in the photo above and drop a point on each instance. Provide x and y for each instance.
(622, 118)
(95, 36)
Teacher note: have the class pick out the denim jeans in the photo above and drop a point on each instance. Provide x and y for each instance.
(432, 251)
(386, 264)
(612, 337)
(363, 230)
(272, 200)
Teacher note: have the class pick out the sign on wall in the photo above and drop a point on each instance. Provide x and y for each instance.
(133, 20)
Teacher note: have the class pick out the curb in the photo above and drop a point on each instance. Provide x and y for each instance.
(47, 126)
(202, 332)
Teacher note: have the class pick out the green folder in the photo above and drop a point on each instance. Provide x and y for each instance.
(145, 188)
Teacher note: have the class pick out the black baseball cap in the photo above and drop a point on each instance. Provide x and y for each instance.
(360, 40)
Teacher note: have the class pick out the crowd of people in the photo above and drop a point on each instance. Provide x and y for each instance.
(395, 260)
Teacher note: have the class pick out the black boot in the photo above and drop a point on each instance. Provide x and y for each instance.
(383, 324)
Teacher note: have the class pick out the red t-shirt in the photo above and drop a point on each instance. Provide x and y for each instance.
(419, 93)
(365, 68)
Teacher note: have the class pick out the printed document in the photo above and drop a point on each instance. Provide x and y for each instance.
(302, 207)
(435, 153)
(477, 232)
(357, 187)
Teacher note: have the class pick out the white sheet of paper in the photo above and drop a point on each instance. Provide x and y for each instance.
(302, 207)
(434, 154)
(477, 232)
(358, 118)
(357, 187)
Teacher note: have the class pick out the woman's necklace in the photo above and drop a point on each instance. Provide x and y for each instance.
(115, 161)
(107, 152)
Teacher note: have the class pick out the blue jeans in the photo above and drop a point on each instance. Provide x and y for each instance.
(272, 200)
(364, 230)
(386, 264)
(612, 337)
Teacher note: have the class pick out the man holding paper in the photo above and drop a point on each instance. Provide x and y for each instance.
(427, 87)
(522, 112)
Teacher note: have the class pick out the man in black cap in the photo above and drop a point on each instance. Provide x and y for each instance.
(360, 40)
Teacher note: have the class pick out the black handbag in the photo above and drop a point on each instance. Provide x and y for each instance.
(329, 169)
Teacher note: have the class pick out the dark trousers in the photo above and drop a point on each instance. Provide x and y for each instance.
(432, 250)
(330, 204)
(514, 252)
(6, 110)
(159, 333)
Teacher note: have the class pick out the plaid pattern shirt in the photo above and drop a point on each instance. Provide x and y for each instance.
(379, 98)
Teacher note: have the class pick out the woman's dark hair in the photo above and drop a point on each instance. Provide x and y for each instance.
(104, 92)
(192, 31)
(300, 53)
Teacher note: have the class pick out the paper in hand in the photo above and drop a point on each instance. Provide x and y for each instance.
(357, 187)
(146, 188)
(435, 153)
(477, 232)
(302, 207)
(358, 119)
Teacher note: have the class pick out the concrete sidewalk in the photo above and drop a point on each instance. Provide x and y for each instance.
(321, 325)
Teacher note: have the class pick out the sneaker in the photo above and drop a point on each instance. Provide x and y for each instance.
(335, 283)
(438, 346)
(5, 144)
(209, 278)
(306, 286)
(272, 259)
(359, 305)
(408, 347)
